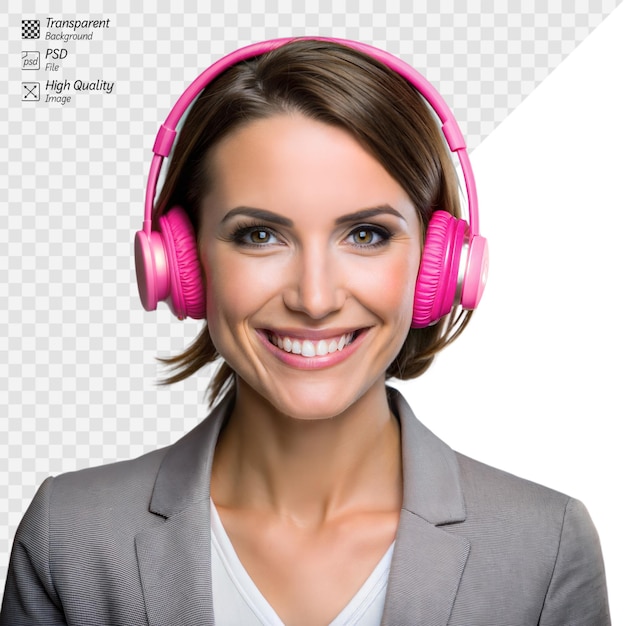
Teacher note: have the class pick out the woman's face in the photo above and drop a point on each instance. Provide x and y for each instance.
(310, 251)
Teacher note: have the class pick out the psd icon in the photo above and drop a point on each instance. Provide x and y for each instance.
(30, 59)
(30, 29)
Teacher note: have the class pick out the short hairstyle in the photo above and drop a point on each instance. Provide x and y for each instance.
(337, 85)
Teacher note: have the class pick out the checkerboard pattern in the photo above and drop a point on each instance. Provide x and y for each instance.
(77, 351)
(30, 29)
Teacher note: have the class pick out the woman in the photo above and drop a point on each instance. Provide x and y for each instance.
(310, 212)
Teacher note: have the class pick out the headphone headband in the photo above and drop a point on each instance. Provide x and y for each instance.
(167, 132)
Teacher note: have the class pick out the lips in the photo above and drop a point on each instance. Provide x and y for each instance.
(309, 347)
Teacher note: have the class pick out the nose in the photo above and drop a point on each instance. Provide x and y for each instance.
(316, 285)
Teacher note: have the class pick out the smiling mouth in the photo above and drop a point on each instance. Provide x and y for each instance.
(312, 348)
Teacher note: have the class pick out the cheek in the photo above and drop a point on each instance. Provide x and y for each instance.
(390, 288)
(235, 290)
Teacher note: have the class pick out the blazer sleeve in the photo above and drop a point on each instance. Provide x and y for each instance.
(30, 597)
(577, 594)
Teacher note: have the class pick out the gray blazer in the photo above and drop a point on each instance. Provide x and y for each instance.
(128, 544)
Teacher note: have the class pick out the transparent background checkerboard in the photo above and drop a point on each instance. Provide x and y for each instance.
(77, 364)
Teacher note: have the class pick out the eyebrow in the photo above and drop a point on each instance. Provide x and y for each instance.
(365, 214)
(260, 214)
(269, 216)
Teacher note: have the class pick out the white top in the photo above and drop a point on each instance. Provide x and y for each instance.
(237, 600)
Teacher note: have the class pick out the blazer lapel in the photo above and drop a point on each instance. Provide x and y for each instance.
(428, 562)
(174, 556)
(175, 569)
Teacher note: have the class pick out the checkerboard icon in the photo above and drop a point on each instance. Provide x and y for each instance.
(30, 29)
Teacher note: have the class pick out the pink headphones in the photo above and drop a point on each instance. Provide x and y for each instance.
(453, 268)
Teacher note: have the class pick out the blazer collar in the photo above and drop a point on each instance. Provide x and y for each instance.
(428, 562)
(175, 556)
(432, 487)
(184, 475)
(426, 569)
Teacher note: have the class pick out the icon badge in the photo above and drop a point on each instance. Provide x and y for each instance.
(30, 92)
(31, 60)
(30, 29)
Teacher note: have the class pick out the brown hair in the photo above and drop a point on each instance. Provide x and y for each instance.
(338, 85)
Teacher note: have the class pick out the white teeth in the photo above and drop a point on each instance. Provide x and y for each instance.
(308, 348)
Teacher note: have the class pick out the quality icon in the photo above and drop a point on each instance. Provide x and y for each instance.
(30, 92)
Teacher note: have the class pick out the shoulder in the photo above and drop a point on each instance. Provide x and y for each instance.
(118, 499)
(121, 484)
(80, 503)
(491, 491)
(88, 505)
(444, 486)
(525, 518)
(77, 538)
(537, 540)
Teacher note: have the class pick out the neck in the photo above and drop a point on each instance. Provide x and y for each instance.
(311, 470)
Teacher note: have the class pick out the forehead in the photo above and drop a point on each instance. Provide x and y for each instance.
(293, 164)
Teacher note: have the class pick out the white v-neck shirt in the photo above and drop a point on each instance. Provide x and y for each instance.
(238, 601)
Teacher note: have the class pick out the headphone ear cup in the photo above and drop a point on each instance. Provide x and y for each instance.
(476, 273)
(187, 297)
(151, 269)
(436, 284)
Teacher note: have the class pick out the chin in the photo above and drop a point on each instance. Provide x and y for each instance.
(316, 400)
(308, 412)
